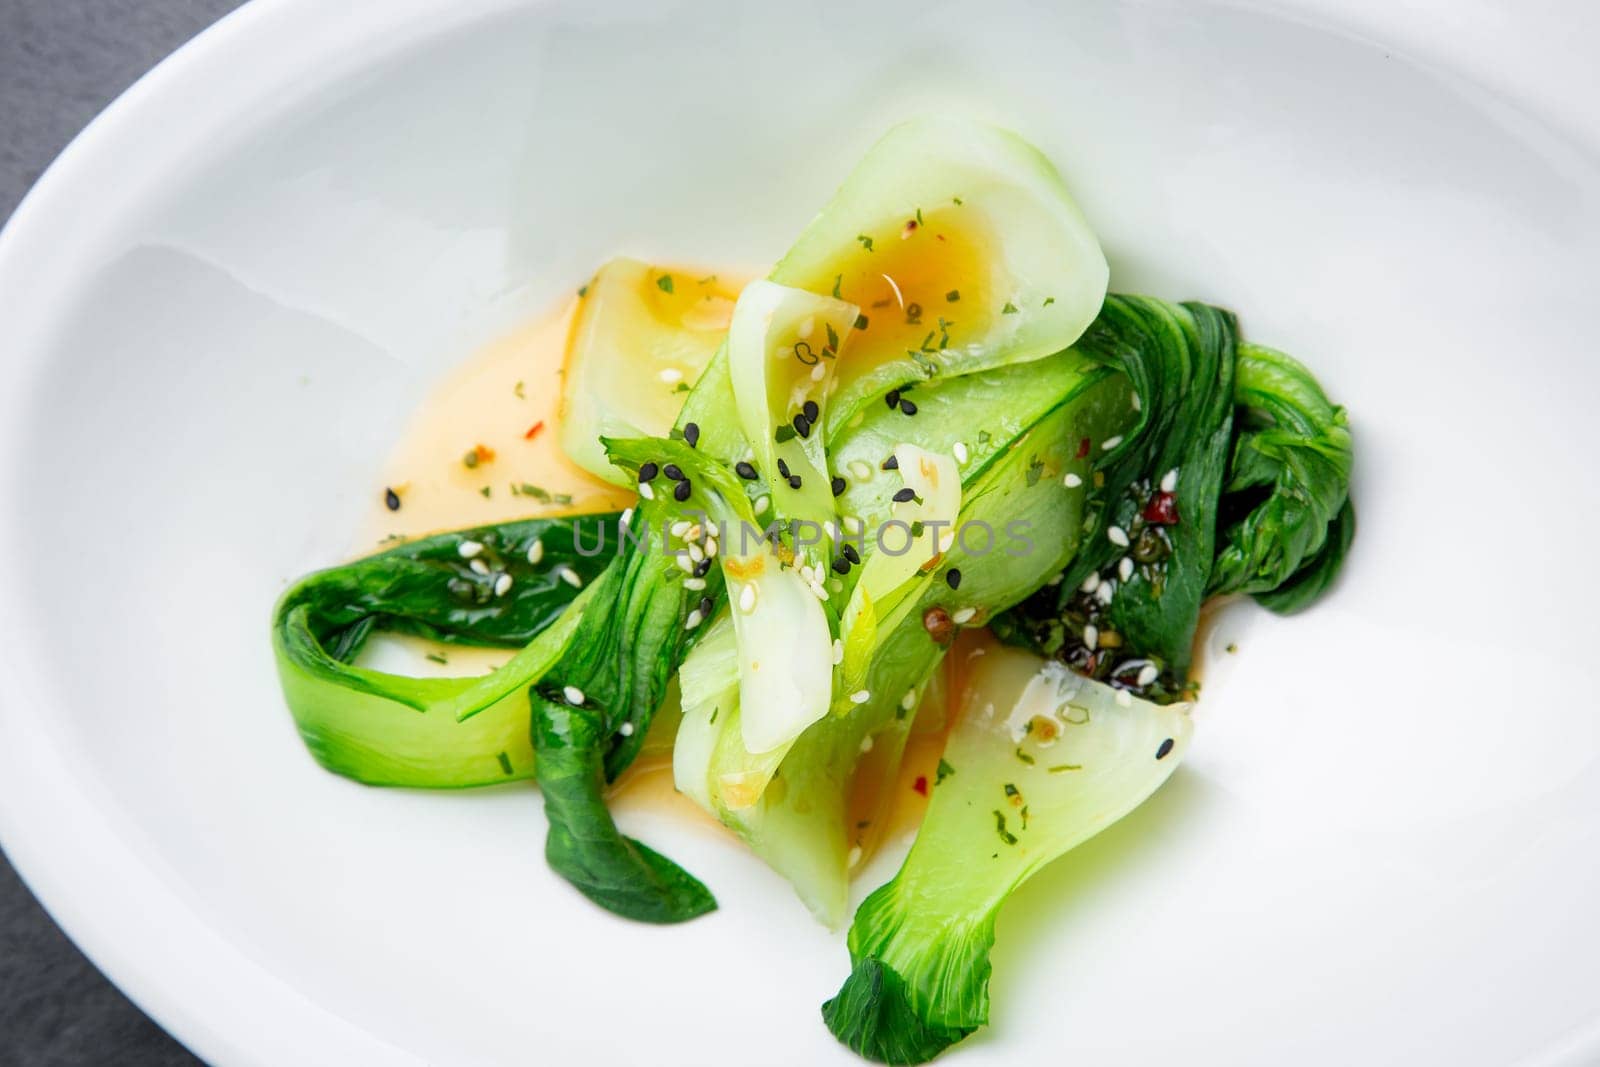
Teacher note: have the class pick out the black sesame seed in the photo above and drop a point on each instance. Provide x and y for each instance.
(841, 566)
(745, 471)
(691, 433)
(953, 577)
(810, 410)
(702, 568)
(1166, 747)
(890, 464)
(794, 481)
(673, 471)
(907, 407)
(648, 471)
(802, 425)
(391, 500)
(681, 491)
(848, 551)
(837, 485)
(783, 468)
(892, 398)
(706, 604)
(905, 494)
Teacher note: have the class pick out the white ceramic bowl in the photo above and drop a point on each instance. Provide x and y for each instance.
(217, 309)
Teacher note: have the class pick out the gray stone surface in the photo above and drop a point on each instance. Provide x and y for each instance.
(61, 61)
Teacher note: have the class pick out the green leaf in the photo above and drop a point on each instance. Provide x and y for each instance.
(584, 846)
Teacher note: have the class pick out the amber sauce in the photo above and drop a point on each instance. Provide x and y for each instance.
(915, 274)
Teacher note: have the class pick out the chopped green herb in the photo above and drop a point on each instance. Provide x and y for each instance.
(470, 460)
(838, 279)
(861, 322)
(1012, 791)
(784, 433)
(1049, 300)
(1009, 309)
(484, 491)
(1023, 756)
(984, 437)
(1058, 768)
(833, 337)
(1035, 469)
(866, 242)
(664, 283)
(957, 200)
(944, 771)
(953, 296)
(919, 216)
(505, 763)
(707, 280)
(1232, 647)
(1000, 828)
(517, 389)
(583, 291)
(436, 657)
(682, 387)
(714, 712)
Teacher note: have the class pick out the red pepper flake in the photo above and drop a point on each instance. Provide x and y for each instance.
(484, 453)
(1083, 448)
(921, 784)
(1162, 510)
(533, 431)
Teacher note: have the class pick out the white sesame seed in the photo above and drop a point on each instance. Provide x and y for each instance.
(1123, 699)
(671, 375)
(838, 651)
(821, 593)
(1125, 568)
(959, 450)
(909, 701)
(696, 553)
(1071, 481)
(860, 696)
(866, 744)
(626, 729)
(830, 529)
(469, 549)
(1091, 636)
(964, 615)
(711, 547)
(1117, 536)
(502, 585)
(684, 562)
(1111, 442)
(1169, 481)
(860, 471)
(573, 695)
(693, 620)
(1138, 404)
(1090, 582)
(679, 529)
(695, 584)
(747, 598)
(1148, 673)
(1105, 592)
(627, 517)
(696, 532)
(818, 371)
(763, 502)
(854, 857)
(536, 550)
(646, 492)
(479, 567)
(571, 577)
(807, 325)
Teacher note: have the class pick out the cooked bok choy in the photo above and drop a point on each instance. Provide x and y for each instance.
(929, 420)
